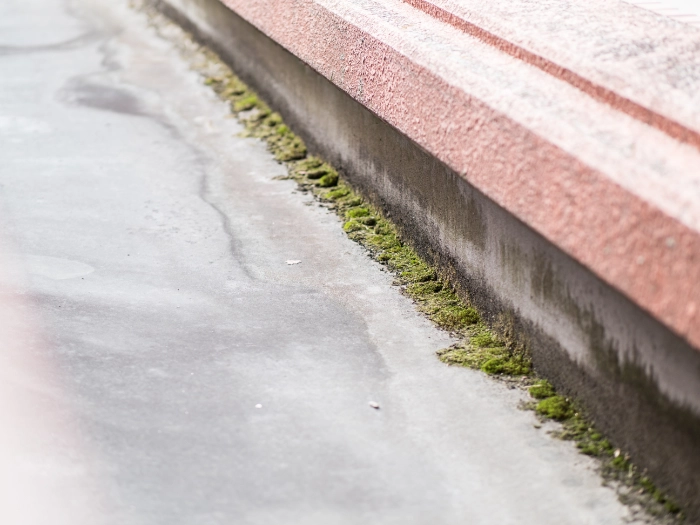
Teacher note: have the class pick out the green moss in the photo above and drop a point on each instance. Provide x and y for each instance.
(615, 465)
(433, 296)
(357, 212)
(419, 273)
(336, 194)
(274, 120)
(647, 484)
(233, 88)
(453, 317)
(289, 148)
(668, 504)
(671, 506)
(507, 364)
(308, 163)
(245, 103)
(424, 288)
(316, 173)
(482, 350)
(467, 356)
(351, 200)
(542, 389)
(353, 225)
(596, 448)
(555, 407)
(328, 180)
(484, 339)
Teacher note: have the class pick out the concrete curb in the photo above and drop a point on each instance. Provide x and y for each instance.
(571, 213)
(561, 181)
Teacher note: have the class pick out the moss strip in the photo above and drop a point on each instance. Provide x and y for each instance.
(616, 465)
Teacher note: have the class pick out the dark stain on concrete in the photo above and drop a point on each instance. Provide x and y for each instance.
(99, 96)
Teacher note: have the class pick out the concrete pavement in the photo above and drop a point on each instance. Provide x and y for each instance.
(164, 364)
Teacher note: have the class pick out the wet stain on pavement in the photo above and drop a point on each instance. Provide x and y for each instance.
(104, 97)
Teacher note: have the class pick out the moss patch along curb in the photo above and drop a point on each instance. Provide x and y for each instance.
(490, 349)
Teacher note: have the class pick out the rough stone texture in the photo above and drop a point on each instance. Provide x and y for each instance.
(685, 11)
(484, 221)
(645, 65)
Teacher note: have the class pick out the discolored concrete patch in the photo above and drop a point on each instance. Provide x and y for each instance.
(98, 96)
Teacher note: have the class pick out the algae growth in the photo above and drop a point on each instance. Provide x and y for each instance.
(634, 486)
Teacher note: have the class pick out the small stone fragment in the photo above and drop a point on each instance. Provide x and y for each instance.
(258, 405)
(293, 261)
(374, 405)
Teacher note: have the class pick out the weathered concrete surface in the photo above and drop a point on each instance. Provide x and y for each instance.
(147, 309)
(603, 186)
(461, 179)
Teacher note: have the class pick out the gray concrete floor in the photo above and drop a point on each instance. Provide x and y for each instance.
(163, 364)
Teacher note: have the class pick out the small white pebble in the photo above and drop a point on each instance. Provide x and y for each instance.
(293, 261)
(258, 405)
(374, 405)
(617, 453)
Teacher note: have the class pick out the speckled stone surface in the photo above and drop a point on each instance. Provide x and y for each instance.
(641, 63)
